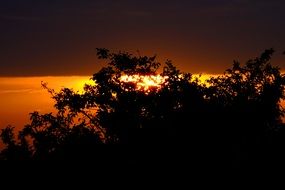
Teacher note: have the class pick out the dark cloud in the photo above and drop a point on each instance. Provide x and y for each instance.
(52, 37)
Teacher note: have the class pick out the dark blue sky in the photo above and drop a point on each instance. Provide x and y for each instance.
(58, 37)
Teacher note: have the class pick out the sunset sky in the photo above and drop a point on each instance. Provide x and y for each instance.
(58, 38)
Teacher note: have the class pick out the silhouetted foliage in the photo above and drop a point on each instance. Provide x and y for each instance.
(234, 120)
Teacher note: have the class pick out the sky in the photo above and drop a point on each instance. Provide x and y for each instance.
(55, 41)
(59, 37)
(20, 96)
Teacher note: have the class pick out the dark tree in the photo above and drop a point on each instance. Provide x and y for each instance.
(247, 105)
(233, 120)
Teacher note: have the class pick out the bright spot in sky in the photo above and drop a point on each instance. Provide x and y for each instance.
(147, 82)
(144, 82)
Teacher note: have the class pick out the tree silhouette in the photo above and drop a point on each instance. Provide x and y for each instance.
(233, 120)
(248, 98)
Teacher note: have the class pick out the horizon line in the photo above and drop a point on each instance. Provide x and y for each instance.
(37, 76)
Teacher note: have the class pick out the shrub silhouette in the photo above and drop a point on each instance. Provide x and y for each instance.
(235, 120)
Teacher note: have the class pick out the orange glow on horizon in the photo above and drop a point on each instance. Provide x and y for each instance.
(20, 96)
(146, 82)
